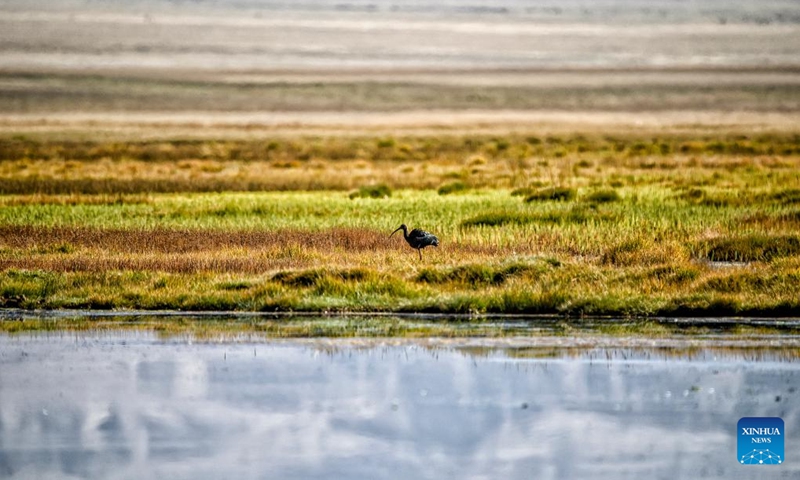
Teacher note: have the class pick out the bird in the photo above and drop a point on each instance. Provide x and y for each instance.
(417, 238)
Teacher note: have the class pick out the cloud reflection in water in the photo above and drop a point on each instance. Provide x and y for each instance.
(116, 407)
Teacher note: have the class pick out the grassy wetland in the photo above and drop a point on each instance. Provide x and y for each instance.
(572, 163)
(616, 223)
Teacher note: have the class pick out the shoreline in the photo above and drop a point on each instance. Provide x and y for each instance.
(7, 314)
(541, 338)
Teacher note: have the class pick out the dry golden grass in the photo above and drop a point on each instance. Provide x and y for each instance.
(71, 249)
(186, 241)
(109, 169)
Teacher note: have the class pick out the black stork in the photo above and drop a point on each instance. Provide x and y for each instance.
(417, 238)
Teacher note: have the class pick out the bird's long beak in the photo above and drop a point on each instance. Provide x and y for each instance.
(390, 236)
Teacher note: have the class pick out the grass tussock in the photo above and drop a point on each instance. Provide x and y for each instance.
(782, 220)
(475, 274)
(523, 191)
(452, 187)
(717, 198)
(351, 286)
(572, 216)
(372, 191)
(309, 278)
(496, 219)
(643, 251)
(751, 248)
(234, 285)
(603, 196)
(674, 274)
(748, 282)
(788, 196)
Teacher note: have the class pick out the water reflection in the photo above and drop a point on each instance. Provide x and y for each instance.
(132, 406)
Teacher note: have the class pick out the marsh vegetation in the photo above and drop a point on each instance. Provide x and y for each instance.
(579, 224)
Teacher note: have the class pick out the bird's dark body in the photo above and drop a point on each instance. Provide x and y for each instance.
(418, 239)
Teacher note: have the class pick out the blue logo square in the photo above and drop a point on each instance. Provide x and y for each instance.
(760, 441)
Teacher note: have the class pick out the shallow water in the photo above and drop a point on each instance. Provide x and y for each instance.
(131, 405)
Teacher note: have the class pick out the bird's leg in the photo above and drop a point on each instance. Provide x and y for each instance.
(420, 253)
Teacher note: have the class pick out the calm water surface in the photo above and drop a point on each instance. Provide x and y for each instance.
(131, 405)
